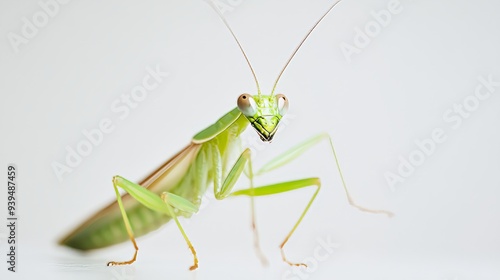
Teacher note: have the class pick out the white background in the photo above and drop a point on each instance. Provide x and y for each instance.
(392, 93)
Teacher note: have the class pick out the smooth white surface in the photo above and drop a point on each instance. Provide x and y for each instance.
(394, 92)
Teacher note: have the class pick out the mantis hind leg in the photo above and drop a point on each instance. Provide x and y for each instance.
(130, 232)
(167, 197)
(166, 203)
(285, 187)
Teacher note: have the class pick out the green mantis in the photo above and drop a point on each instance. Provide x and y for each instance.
(175, 188)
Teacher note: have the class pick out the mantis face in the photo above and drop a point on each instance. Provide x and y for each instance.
(264, 112)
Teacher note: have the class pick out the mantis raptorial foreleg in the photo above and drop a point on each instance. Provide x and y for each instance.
(165, 204)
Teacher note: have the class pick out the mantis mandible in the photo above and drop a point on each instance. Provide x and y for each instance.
(176, 187)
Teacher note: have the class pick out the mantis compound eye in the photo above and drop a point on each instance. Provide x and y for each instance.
(247, 104)
(282, 102)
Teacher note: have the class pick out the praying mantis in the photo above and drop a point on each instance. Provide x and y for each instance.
(176, 187)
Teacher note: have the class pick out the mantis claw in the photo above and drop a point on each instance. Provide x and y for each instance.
(296, 264)
(300, 264)
(287, 261)
(118, 263)
(112, 263)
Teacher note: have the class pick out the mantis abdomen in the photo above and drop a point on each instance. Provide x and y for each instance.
(109, 230)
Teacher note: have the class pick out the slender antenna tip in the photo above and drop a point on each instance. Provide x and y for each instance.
(301, 43)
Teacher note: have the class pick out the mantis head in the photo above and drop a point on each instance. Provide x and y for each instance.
(264, 112)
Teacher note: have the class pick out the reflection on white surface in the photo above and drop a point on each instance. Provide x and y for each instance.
(217, 266)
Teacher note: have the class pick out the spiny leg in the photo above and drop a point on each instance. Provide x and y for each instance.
(166, 198)
(222, 190)
(285, 187)
(298, 150)
(165, 205)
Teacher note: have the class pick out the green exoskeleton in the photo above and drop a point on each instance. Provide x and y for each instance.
(176, 187)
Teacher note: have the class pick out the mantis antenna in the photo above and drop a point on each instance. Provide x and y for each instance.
(211, 3)
(300, 45)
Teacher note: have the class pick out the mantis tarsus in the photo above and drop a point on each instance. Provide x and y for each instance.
(176, 187)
